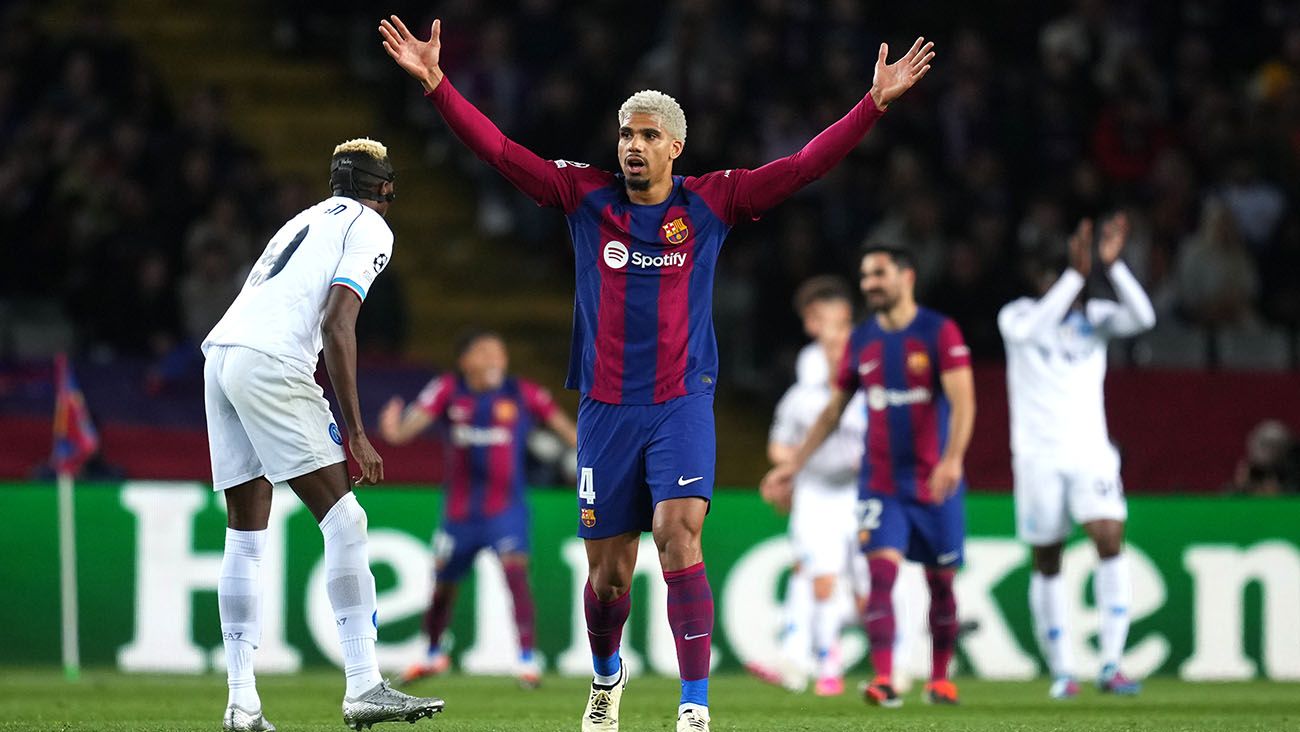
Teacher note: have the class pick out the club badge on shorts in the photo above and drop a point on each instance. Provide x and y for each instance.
(334, 434)
(588, 516)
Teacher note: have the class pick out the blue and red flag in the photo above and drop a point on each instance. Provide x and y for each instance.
(75, 438)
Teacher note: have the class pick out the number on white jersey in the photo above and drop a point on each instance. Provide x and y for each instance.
(275, 258)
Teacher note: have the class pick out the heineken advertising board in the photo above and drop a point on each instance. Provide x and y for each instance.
(1216, 586)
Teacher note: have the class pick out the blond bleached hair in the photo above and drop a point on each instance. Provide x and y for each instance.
(649, 101)
(365, 146)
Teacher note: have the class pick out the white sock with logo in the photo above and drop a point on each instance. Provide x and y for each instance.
(1047, 604)
(239, 603)
(351, 589)
(1114, 593)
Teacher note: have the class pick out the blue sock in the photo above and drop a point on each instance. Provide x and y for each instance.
(435, 650)
(696, 692)
(606, 666)
(526, 656)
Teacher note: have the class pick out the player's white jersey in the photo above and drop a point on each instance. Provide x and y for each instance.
(279, 312)
(1056, 361)
(837, 462)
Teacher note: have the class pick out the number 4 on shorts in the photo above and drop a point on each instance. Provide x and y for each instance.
(587, 487)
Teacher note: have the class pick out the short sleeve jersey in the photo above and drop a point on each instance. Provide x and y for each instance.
(486, 434)
(279, 311)
(907, 411)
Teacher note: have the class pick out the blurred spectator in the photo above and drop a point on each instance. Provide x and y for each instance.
(135, 222)
(1271, 465)
(1217, 285)
(208, 289)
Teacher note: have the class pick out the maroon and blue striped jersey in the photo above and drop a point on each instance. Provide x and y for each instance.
(485, 434)
(907, 410)
(643, 321)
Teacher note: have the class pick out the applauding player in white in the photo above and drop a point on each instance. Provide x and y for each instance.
(1065, 466)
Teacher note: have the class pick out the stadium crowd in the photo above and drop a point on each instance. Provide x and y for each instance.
(1186, 114)
(135, 217)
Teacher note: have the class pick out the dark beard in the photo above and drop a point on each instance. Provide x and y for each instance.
(640, 185)
(886, 304)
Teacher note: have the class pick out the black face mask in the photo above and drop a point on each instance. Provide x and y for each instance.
(344, 170)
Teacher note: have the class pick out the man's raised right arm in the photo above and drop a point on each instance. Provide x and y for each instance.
(539, 179)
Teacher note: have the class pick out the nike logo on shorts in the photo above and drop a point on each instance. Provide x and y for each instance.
(697, 636)
(683, 480)
(947, 558)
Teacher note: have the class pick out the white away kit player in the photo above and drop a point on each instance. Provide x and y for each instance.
(269, 422)
(823, 525)
(1066, 470)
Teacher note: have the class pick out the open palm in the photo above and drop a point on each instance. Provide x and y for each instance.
(418, 58)
(1114, 234)
(891, 81)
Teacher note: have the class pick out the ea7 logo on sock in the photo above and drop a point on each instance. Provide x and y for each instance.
(588, 516)
(233, 636)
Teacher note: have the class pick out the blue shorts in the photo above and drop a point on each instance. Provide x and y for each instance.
(457, 543)
(632, 456)
(931, 534)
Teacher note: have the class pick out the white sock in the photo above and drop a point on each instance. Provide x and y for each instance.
(239, 603)
(826, 633)
(796, 637)
(1114, 594)
(1047, 604)
(351, 589)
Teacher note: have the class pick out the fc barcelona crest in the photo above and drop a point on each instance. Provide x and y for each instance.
(676, 231)
(918, 362)
(588, 516)
(505, 411)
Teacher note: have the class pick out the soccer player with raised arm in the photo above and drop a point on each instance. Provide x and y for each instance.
(1066, 469)
(269, 422)
(484, 415)
(914, 367)
(644, 355)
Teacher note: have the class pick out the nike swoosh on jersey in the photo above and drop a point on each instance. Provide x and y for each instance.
(868, 367)
(683, 480)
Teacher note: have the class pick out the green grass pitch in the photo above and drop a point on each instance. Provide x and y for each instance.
(106, 701)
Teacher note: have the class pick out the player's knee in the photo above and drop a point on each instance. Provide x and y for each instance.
(1107, 536)
(514, 560)
(345, 522)
(883, 570)
(609, 586)
(678, 543)
(1109, 545)
(823, 587)
(1047, 560)
(940, 582)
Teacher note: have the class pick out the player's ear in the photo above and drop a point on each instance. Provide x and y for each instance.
(677, 147)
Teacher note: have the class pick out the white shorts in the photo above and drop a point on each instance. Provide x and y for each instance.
(1054, 492)
(266, 417)
(823, 527)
